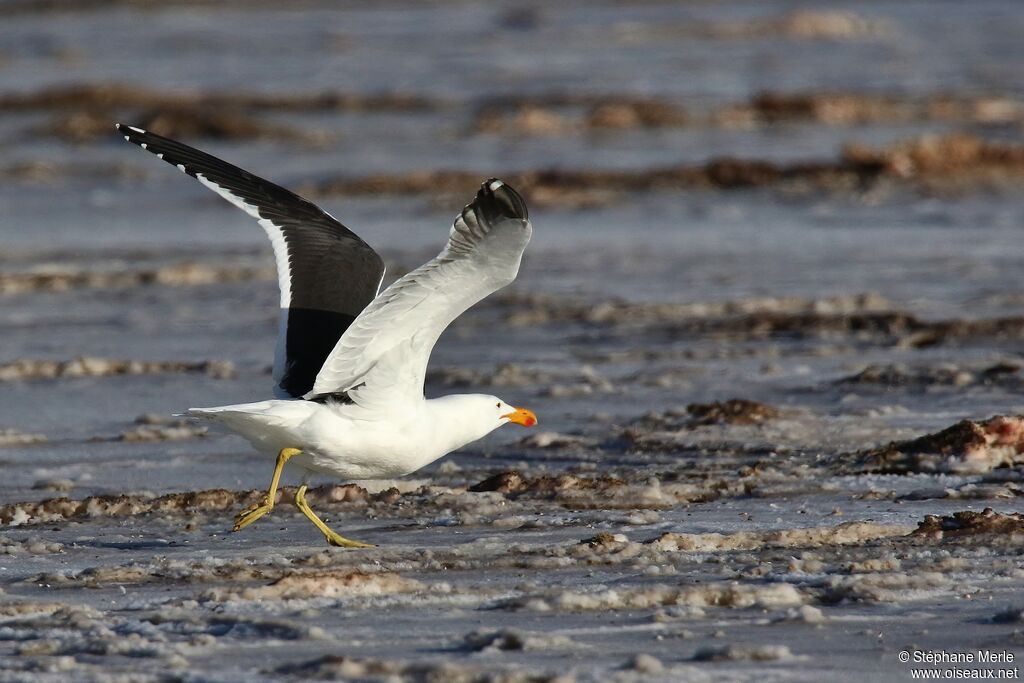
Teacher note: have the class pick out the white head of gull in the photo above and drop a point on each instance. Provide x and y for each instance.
(351, 360)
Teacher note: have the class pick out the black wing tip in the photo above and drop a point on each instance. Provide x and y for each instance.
(499, 200)
(129, 132)
(169, 150)
(137, 136)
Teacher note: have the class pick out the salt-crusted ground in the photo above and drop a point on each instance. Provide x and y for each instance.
(771, 323)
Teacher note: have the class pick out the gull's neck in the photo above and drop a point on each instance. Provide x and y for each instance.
(455, 421)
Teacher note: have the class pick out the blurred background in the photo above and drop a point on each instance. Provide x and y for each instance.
(688, 153)
(683, 153)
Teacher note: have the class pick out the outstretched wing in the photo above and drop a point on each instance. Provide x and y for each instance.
(381, 359)
(327, 275)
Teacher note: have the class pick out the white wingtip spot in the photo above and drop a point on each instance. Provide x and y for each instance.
(159, 156)
(127, 138)
(181, 167)
(494, 185)
(142, 145)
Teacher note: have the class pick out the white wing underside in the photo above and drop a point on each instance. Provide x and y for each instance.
(381, 360)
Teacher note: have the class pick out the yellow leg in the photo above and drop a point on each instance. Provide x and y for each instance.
(251, 514)
(332, 537)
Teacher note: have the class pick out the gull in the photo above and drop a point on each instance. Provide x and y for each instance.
(350, 359)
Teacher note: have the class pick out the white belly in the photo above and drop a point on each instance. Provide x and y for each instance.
(357, 449)
(330, 441)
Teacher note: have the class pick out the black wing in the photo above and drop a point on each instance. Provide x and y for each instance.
(326, 273)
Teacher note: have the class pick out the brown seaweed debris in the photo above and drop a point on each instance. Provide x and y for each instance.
(512, 482)
(849, 108)
(861, 317)
(949, 375)
(931, 163)
(211, 500)
(940, 156)
(502, 482)
(85, 366)
(539, 309)
(548, 116)
(735, 411)
(59, 278)
(628, 113)
(887, 328)
(560, 114)
(826, 24)
(608, 492)
(966, 447)
(181, 122)
(970, 523)
(804, 24)
(667, 431)
(118, 97)
(523, 119)
(578, 187)
(45, 172)
(738, 411)
(58, 509)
